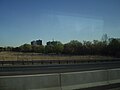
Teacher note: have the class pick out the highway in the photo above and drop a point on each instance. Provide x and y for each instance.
(56, 68)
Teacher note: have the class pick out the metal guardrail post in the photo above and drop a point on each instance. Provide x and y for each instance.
(12, 63)
(23, 63)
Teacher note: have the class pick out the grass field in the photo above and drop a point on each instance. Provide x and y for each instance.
(37, 56)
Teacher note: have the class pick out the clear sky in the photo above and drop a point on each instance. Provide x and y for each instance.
(22, 21)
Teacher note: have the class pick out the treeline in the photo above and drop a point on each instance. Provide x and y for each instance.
(109, 47)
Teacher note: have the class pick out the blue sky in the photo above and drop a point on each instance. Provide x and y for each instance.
(22, 21)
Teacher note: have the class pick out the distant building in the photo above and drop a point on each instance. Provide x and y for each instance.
(33, 43)
(37, 42)
(48, 43)
(52, 43)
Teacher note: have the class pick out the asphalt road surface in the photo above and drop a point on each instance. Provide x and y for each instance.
(58, 68)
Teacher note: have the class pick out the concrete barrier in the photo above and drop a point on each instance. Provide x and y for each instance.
(114, 76)
(62, 81)
(85, 79)
(30, 82)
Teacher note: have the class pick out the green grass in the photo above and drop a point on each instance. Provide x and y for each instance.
(37, 56)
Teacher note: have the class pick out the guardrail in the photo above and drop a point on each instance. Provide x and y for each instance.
(41, 62)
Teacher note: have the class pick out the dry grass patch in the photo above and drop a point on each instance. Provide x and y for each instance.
(38, 56)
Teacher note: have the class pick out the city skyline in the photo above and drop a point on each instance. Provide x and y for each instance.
(22, 21)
